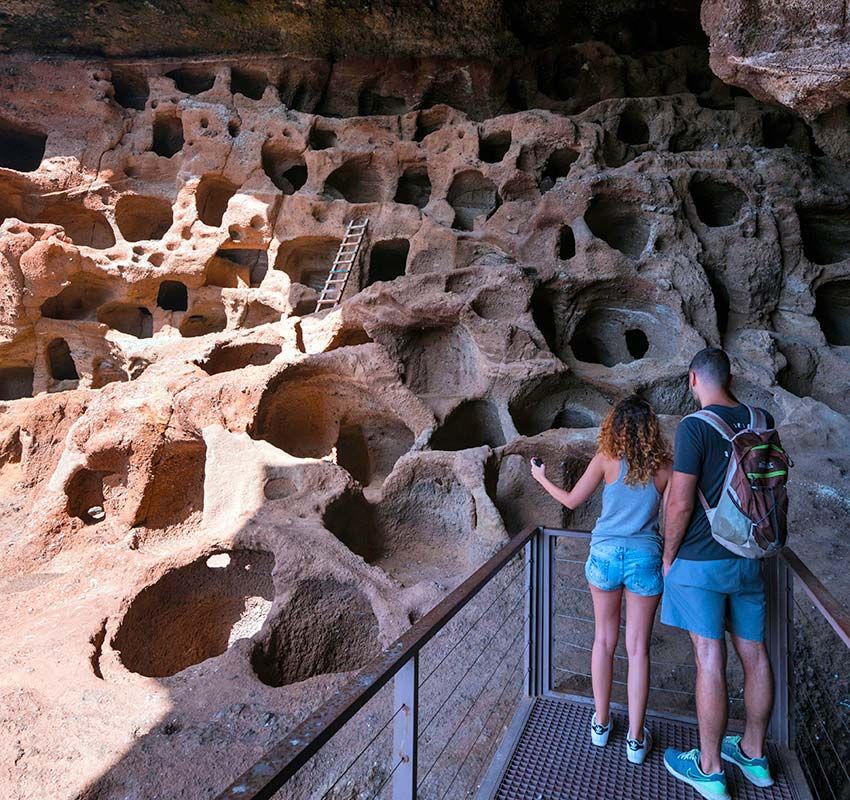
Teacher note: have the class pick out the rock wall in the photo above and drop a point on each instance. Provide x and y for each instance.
(217, 503)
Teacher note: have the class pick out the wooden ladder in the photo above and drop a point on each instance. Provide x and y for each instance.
(346, 257)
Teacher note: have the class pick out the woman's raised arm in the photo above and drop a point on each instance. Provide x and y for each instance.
(584, 488)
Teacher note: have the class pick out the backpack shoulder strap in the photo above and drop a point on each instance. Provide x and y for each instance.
(758, 419)
(716, 422)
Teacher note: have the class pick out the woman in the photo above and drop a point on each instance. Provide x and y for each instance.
(634, 462)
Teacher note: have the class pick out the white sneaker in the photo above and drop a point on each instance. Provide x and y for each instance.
(599, 733)
(637, 751)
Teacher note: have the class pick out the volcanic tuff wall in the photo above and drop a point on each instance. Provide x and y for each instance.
(166, 225)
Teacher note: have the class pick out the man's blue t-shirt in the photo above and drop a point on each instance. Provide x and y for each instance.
(700, 450)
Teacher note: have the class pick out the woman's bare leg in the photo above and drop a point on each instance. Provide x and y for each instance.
(606, 612)
(640, 617)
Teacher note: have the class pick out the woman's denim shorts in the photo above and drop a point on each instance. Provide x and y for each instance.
(611, 567)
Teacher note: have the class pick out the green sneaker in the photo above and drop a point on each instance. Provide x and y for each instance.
(686, 767)
(756, 770)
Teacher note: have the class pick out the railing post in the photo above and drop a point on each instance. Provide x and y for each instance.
(538, 571)
(780, 643)
(530, 614)
(406, 730)
(545, 613)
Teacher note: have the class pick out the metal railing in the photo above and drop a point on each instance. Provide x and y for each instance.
(425, 718)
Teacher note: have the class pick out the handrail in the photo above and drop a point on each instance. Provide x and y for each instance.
(269, 774)
(834, 613)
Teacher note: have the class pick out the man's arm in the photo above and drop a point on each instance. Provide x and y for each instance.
(677, 514)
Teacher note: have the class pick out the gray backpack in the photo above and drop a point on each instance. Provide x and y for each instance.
(751, 518)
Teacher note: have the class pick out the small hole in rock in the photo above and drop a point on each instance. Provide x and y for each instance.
(321, 138)
(566, 243)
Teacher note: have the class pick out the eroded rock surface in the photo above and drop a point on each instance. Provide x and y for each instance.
(795, 53)
(216, 503)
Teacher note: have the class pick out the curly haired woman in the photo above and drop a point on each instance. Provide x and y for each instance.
(634, 462)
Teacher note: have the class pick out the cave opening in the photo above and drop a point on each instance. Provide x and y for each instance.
(142, 218)
(557, 166)
(83, 226)
(130, 88)
(619, 224)
(632, 128)
(718, 203)
(21, 148)
(195, 612)
(472, 196)
(832, 311)
(229, 357)
(167, 135)
(355, 181)
(59, 361)
(127, 318)
(388, 260)
(78, 300)
(211, 199)
(326, 627)
(172, 296)
(825, 233)
(543, 315)
(192, 80)
(372, 103)
(429, 121)
(286, 169)
(414, 186)
(16, 382)
(472, 424)
(250, 83)
(493, 147)
(610, 336)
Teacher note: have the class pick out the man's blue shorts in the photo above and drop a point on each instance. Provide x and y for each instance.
(709, 597)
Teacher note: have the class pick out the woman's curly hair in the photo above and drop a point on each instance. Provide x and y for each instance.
(631, 431)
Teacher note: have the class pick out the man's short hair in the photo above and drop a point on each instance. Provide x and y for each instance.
(712, 365)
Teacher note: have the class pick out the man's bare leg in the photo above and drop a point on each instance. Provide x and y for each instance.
(711, 695)
(758, 694)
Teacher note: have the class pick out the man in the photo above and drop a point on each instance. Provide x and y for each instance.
(707, 588)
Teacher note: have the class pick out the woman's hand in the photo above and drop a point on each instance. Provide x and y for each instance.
(538, 470)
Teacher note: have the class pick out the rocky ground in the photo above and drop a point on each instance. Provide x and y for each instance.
(217, 503)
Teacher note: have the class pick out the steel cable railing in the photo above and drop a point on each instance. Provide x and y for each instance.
(520, 629)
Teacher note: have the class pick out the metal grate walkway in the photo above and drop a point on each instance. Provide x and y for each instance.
(552, 759)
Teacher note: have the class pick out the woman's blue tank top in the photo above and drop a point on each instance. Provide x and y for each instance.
(629, 515)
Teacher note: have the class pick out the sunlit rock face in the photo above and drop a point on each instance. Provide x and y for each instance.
(217, 503)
